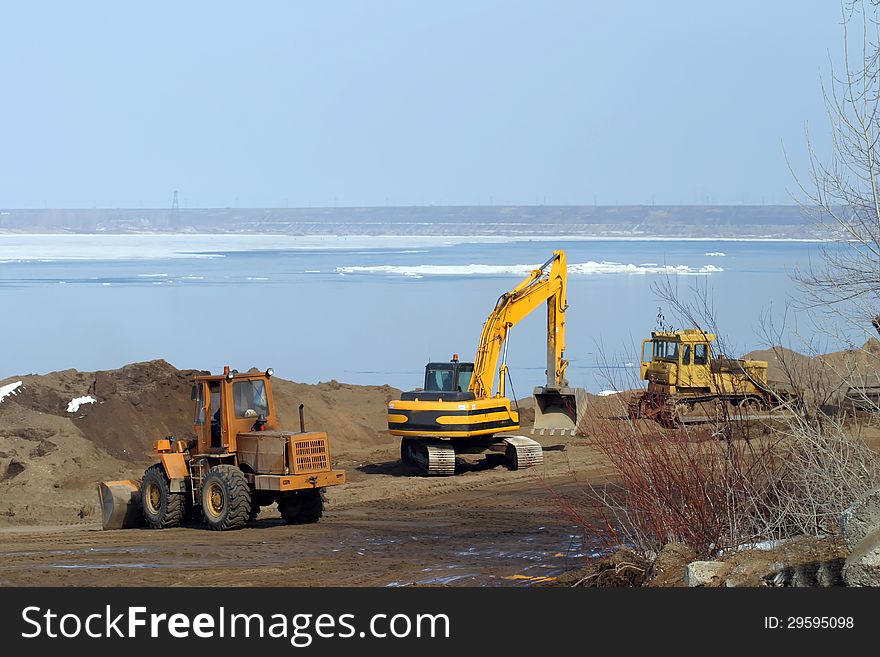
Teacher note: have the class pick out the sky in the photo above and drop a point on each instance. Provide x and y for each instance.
(356, 103)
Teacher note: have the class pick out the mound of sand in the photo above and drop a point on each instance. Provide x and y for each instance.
(825, 377)
(62, 432)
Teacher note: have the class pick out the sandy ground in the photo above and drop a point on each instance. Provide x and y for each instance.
(387, 526)
(486, 526)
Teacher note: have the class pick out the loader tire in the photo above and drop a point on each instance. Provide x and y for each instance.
(225, 498)
(302, 507)
(162, 508)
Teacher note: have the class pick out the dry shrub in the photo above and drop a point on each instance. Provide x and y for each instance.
(722, 484)
(733, 480)
(822, 466)
(686, 485)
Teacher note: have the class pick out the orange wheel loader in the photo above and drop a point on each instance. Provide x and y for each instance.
(239, 461)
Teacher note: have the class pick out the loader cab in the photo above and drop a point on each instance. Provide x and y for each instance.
(229, 404)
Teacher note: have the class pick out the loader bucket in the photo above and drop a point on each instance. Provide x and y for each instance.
(120, 504)
(558, 410)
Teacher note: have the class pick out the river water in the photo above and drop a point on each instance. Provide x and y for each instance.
(367, 310)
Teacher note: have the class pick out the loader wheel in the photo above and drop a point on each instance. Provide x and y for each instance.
(302, 507)
(162, 508)
(225, 498)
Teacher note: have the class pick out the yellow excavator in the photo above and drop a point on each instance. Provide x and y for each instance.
(457, 411)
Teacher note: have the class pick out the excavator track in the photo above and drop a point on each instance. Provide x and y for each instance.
(523, 452)
(433, 458)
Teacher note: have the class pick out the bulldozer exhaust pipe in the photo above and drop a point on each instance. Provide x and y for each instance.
(120, 504)
(558, 411)
(302, 419)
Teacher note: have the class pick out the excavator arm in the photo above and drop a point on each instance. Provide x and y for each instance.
(545, 284)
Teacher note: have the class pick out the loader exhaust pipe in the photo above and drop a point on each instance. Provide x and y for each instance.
(302, 419)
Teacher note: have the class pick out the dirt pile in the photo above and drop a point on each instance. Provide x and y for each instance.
(832, 368)
(354, 416)
(62, 432)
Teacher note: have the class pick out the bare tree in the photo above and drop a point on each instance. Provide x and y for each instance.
(842, 191)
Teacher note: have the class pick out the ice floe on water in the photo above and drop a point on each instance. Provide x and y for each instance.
(76, 402)
(17, 248)
(715, 254)
(591, 267)
(9, 390)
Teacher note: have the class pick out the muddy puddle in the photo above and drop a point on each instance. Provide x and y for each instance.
(510, 560)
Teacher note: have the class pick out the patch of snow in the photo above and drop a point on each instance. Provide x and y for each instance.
(715, 254)
(9, 389)
(608, 393)
(763, 546)
(591, 267)
(75, 403)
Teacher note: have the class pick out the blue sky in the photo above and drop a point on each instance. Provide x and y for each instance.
(114, 104)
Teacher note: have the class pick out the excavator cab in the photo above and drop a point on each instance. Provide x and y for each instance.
(449, 380)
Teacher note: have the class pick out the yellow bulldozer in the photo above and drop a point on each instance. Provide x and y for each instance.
(457, 411)
(682, 371)
(239, 461)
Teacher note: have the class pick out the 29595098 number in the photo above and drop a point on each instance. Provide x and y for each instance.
(819, 622)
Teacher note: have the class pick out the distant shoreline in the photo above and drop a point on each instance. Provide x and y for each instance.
(706, 223)
(496, 238)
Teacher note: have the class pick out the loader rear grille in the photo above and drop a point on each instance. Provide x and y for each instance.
(310, 456)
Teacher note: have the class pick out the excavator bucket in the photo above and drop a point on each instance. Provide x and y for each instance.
(120, 504)
(558, 410)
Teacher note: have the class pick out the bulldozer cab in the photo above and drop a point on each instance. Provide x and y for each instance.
(229, 404)
(679, 358)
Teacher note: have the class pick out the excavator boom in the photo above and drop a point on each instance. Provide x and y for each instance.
(547, 284)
